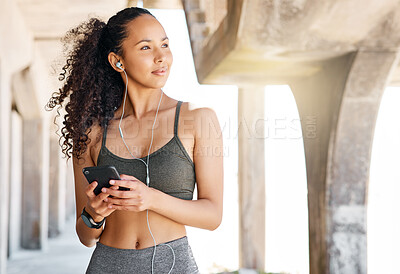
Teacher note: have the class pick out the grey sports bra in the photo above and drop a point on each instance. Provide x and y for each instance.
(170, 168)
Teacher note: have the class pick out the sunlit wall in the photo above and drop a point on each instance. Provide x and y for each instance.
(383, 218)
(286, 213)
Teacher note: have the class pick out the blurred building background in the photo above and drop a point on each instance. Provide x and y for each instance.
(337, 57)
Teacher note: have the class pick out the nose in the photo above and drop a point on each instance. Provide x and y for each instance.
(160, 56)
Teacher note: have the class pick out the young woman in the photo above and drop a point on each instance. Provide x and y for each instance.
(117, 114)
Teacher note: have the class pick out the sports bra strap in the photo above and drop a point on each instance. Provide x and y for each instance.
(178, 107)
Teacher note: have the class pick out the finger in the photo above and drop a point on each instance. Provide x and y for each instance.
(127, 177)
(103, 191)
(124, 194)
(98, 200)
(130, 201)
(101, 196)
(118, 193)
(90, 189)
(131, 184)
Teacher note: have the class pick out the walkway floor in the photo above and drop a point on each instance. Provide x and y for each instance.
(65, 255)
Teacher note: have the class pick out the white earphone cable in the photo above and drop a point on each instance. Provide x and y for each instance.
(147, 171)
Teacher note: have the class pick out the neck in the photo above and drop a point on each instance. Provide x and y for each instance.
(140, 103)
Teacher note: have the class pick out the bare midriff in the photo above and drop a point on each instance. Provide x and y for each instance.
(128, 230)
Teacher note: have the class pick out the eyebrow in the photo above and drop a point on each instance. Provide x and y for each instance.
(149, 40)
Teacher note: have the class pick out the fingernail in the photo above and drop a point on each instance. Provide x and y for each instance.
(110, 206)
(104, 190)
(112, 182)
(106, 200)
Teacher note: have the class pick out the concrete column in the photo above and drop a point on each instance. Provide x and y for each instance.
(318, 98)
(5, 114)
(251, 177)
(338, 108)
(14, 233)
(35, 173)
(56, 189)
(35, 184)
(348, 172)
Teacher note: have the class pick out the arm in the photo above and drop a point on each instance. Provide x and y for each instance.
(206, 211)
(85, 197)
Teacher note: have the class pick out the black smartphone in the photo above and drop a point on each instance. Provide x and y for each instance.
(102, 175)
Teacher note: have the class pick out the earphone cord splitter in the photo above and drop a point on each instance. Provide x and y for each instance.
(147, 171)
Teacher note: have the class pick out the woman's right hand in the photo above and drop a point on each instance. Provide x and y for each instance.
(96, 206)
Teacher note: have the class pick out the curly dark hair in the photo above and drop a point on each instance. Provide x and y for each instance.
(93, 87)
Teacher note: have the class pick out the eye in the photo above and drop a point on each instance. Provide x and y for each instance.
(145, 47)
(166, 45)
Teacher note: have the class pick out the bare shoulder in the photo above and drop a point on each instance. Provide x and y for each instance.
(204, 118)
(197, 111)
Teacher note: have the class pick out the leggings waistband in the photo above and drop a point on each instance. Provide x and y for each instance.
(174, 244)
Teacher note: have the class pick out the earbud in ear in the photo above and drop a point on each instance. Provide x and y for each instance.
(119, 65)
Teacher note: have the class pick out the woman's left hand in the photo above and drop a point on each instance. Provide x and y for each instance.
(137, 198)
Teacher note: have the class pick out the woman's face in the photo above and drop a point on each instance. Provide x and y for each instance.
(147, 58)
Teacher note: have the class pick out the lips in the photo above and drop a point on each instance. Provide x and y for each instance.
(160, 71)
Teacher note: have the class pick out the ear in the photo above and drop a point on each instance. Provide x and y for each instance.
(113, 58)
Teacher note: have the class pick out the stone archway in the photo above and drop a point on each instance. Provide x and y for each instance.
(345, 97)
